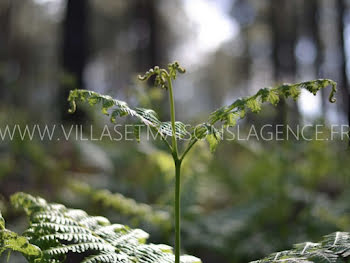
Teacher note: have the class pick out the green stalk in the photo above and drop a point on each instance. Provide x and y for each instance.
(172, 116)
(177, 212)
(177, 163)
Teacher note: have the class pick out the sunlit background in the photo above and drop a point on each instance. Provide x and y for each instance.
(241, 203)
(235, 38)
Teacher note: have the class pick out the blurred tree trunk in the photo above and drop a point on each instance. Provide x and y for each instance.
(74, 55)
(310, 28)
(283, 25)
(5, 40)
(245, 60)
(149, 53)
(343, 79)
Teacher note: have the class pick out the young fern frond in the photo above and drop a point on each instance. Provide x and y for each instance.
(230, 115)
(60, 232)
(238, 109)
(161, 75)
(227, 115)
(116, 108)
(333, 248)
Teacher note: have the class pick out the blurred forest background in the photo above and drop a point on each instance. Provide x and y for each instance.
(246, 200)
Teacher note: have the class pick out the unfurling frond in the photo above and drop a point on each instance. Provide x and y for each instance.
(230, 114)
(61, 232)
(162, 74)
(116, 108)
(333, 248)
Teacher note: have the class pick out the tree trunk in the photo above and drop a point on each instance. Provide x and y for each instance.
(343, 80)
(148, 55)
(310, 28)
(5, 38)
(283, 25)
(74, 55)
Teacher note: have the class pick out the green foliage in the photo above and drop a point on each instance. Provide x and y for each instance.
(13, 242)
(238, 109)
(333, 248)
(229, 115)
(124, 205)
(271, 95)
(116, 108)
(265, 204)
(61, 233)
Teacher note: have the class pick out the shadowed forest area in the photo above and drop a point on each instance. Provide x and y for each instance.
(256, 194)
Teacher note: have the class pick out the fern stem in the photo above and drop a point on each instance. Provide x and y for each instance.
(177, 211)
(172, 116)
(177, 163)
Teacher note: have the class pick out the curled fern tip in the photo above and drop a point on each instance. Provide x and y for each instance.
(71, 100)
(332, 98)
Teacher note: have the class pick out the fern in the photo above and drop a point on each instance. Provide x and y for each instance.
(333, 248)
(228, 115)
(12, 242)
(60, 232)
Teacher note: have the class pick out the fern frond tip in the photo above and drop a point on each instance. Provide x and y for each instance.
(332, 98)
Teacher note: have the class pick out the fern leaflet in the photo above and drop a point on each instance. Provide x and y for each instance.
(13, 242)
